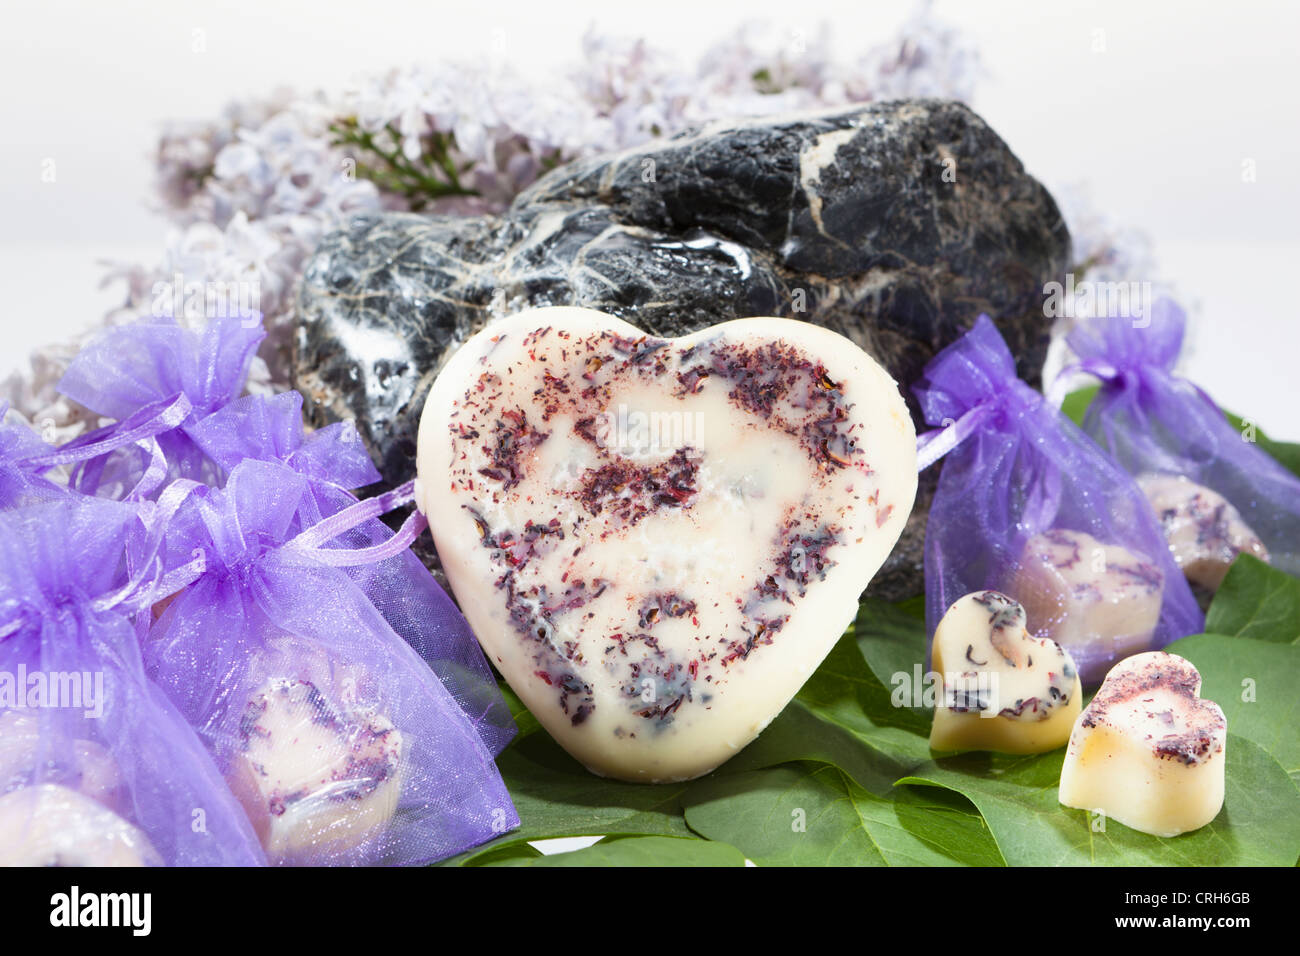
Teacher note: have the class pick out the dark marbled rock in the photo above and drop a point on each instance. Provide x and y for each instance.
(893, 223)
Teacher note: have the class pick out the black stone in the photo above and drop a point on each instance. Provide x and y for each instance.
(893, 223)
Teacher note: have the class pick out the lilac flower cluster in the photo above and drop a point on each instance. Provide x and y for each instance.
(249, 195)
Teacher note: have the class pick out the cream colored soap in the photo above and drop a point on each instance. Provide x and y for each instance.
(1148, 751)
(1098, 601)
(1204, 531)
(52, 825)
(658, 540)
(82, 765)
(312, 779)
(1004, 690)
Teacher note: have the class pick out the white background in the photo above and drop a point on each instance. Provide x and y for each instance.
(1158, 124)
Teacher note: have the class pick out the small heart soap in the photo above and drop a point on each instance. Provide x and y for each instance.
(1003, 689)
(48, 824)
(312, 777)
(1101, 602)
(1204, 531)
(1148, 751)
(658, 540)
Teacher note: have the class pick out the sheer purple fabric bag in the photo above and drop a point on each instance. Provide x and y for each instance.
(1156, 424)
(124, 461)
(343, 747)
(333, 460)
(23, 471)
(1028, 505)
(269, 428)
(96, 765)
(129, 369)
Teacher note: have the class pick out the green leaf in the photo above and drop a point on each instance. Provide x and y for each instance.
(892, 640)
(815, 815)
(847, 697)
(557, 797)
(838, 748)
(523, 717)
(1256, 601)
(505, 855)
(1286, 453)
(1075, 405)
(802, 733)
(637, 851)
(1258, 686)
(843, 717)
(1017, 796)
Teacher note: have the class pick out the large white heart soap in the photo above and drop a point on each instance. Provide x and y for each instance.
(658, 540)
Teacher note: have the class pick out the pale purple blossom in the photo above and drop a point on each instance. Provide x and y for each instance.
(1105, 253)
(928, 58)
(250, 194)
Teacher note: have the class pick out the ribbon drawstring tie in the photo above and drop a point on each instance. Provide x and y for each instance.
(311, 541)
(934, 444)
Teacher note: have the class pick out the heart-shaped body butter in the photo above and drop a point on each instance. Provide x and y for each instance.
(1204, 531)
(1147, 750)
(658, 540)
(1101, 602)
(1003, 689)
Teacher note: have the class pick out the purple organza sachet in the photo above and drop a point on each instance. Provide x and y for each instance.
(96, 766)
(129, 369)
(23, 477)
(286, 617)
(156, 373)
(1217, 493)
(1030, 506)
(332, 460)
(269, 428)
(342, 745)
(129, 450)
